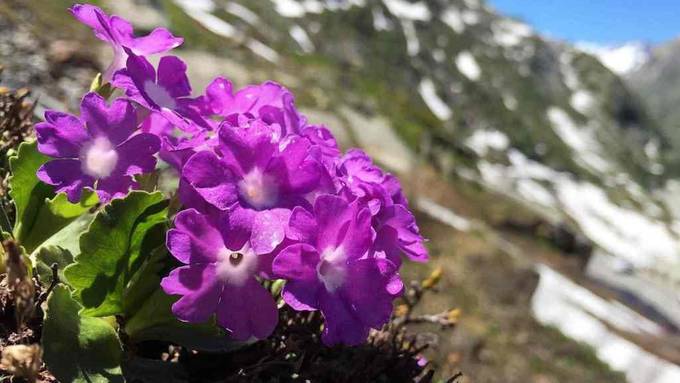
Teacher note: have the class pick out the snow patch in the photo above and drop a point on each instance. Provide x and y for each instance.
(510, 33)
(262, 50)
(289, 8)
(482, 141)
(453, 19)
(443, 214)
(582, 101)
(580, 314)
(380, 21)
(302, 38)
(581, 140)
(412, 42)
(621, 59)
(242, 12)
(510, 101)
(428, 92)
(467, 65)
(408, 11)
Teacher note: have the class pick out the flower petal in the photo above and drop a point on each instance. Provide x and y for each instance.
(114, 187)
(200, 289)
(247, 311)
(116, 123)
(195, 238)
(211, 179)
(297, 263)
(269, 230)
(136, 155)
(172, 75)
(158, 41)
(67, 176)
(61, 136)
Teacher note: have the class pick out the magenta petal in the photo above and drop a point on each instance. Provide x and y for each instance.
(301, 226)
(136, 155)
(247, 311)
(211, 180)
(94, 18)
(62, 136)
(195, 239)
(158, 41)
(116, 123)
(367, 291)
(297, 262)
(269, 230)
(67, 176)
(302, 296)
(341, 326)
(200, 292)
(114, 187)
(172, 75)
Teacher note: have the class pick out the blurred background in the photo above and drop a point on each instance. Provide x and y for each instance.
(539, 142)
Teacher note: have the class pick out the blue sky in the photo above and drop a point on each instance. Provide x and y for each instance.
(600, 21)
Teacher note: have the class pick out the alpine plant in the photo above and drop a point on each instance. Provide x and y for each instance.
(265, 195)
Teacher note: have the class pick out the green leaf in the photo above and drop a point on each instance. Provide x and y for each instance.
(48, 255)
(79, 349)
(154, 321)
(117, 242)
(39, 214)
(27, 192)
(57, 213)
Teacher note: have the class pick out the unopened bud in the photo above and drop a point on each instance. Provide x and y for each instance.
(433, 279)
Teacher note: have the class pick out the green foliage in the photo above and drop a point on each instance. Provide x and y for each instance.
(111, 251)
(39, 214)
(77, 348)
(26, 190)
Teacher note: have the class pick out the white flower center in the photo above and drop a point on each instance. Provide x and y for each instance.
(159, 95)
(332, 268)
(235, 267)
(259, 190)
(99, 158)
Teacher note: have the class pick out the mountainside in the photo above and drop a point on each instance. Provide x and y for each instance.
(525, 156)
(481, 95)
(658, 84)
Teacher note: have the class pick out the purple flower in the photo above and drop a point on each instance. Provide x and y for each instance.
(252, 172)
(177, 146)
(332, 269)
(101, 146)
(219, 275)
(119, 33)
(165, 91)
(395, 225)
(269, 101)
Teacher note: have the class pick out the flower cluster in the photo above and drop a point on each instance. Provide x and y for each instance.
(265, 194)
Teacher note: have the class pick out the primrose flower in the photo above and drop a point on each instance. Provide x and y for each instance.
(165, 91)
(102, 147)
(395, 225)
(255, 174)
(119, 33)
(269, 101)
(332, 269)
(219, 275)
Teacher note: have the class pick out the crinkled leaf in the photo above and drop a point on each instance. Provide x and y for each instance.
(112, 250)
(154, 321)
(57, 213)
(76, 348)
(27, 192)
(39, 214)
(48, 255)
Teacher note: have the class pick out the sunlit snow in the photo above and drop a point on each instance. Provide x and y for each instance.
(453, 19)
(467, 65)
(621, 59)
(428, 92)
(410, 11)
